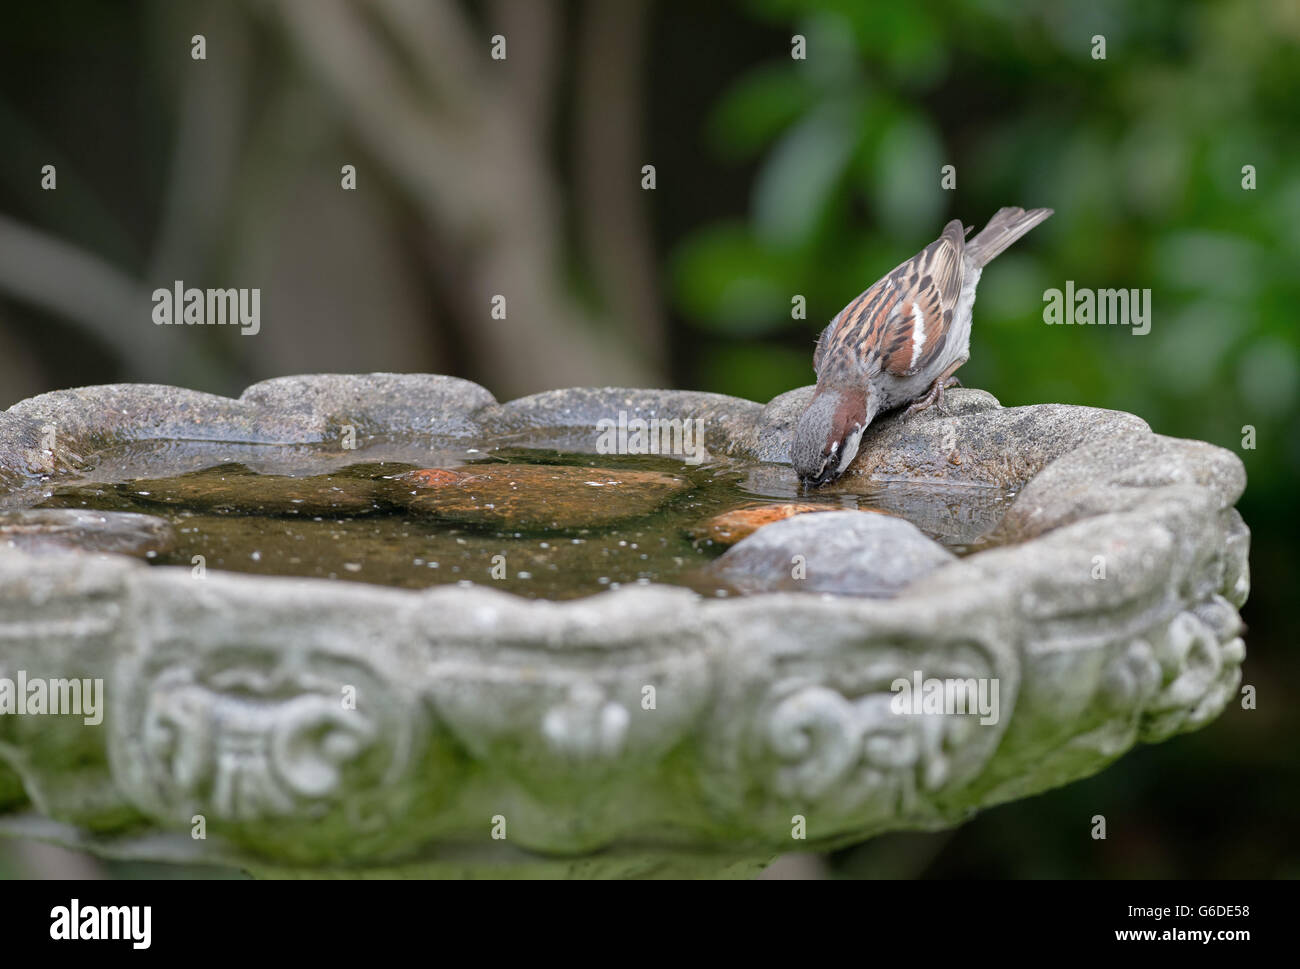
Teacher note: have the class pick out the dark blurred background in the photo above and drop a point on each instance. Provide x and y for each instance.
(774, 177)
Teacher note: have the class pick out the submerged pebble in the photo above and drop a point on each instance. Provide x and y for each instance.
(533, 496)
(731, 526)
(237, 493)
(124, 533)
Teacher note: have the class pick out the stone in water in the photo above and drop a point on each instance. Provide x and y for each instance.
(533, 496)
(123, 533)
(240, 493)
(731, 526)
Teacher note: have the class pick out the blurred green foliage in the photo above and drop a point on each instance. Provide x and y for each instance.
(1141, 155)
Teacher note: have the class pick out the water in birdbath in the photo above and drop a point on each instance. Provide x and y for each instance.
(538, 523)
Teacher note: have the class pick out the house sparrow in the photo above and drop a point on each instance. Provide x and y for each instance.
(898, 342)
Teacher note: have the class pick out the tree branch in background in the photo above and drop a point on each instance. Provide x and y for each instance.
(478, 179)
(60, 278)
(210, 120)
(530, 69)
(196, 212)
(608, 154)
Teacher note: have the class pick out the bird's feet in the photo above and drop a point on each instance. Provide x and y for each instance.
(933, 396)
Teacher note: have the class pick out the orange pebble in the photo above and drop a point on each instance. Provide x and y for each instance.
(433, 477)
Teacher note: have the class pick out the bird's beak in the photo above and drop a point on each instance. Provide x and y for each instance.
(838, 460)
(829, 472)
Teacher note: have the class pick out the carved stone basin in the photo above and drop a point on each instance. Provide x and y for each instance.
(309, 727)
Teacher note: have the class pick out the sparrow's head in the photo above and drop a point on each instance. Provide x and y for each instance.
(827, 436)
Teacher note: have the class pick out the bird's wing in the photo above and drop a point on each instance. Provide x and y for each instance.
(901, 323)
(844, 352)
(916, 325)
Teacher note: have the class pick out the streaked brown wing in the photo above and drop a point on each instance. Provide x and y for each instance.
(844, 347)
(917, 299)
(929, 285)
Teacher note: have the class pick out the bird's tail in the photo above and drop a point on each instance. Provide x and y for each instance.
(1006, 226)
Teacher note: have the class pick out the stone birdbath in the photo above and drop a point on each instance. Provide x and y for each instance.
(302, 719)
